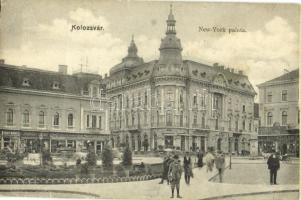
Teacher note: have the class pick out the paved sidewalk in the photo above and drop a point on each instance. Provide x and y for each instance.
(198, 189)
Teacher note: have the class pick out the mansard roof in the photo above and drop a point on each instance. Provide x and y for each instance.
(43, 80)
(288, 77)
(219, 75)
(215, 75)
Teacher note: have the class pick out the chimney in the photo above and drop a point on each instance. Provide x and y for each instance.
(240, 72)
(222, 67)
(232, 70)
(2, 61)
(215, 64)
(63, 69)
(106, 75)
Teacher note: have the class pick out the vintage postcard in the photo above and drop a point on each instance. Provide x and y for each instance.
(149, 100)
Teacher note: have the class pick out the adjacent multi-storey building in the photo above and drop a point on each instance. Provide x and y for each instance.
(176, 103)
(279, 114)
(53, 110)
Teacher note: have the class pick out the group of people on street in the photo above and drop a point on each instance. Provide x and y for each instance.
(172, 168)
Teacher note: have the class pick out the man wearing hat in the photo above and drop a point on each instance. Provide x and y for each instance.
(174, 175)
(273, 166)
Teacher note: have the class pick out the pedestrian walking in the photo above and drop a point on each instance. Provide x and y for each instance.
(174, 175)
(273, 166)
(220, 165)
(209, 159)
(187, 168)
(200, 158)
(166, 162)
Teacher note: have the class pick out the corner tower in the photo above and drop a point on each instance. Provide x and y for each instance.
(170, 48)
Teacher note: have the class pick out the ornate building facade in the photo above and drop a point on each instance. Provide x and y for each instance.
(279, 114)
(51, 110)
(179, 104)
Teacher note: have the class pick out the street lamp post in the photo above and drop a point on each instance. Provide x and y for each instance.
(41, 154)
(230, 150)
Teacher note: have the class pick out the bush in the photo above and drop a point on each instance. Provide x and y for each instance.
(84, 168)
(127, 157)
(107, 157)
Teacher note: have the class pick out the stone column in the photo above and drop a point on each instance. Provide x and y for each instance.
(177, 99)
(162, 100)
(50, 145)
(136, 143)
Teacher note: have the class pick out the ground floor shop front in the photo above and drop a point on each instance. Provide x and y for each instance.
(183, 140)
(284, 144)
(35, 141)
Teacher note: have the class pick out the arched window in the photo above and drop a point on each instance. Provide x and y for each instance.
(168, 118)
(41, 118)
(70, 120)
(10, 117)
(26, 118)
(284, 118)
(269, 119)
(56, 119)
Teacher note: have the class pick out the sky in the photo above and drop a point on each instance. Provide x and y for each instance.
(36, 33)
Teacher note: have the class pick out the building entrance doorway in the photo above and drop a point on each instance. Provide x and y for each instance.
(168, 142)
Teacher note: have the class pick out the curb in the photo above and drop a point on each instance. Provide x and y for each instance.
(57, 191)
(249, 194)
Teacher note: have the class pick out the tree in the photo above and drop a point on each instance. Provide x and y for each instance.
(107, 157)
(91, 159)
(127, 157)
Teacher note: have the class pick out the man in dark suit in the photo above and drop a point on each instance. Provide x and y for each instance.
(273, 165)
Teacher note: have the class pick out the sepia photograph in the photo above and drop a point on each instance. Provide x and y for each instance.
(149, 100)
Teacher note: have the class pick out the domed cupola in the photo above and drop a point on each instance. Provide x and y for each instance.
(132, 49)
(131, 60)
(170, 48)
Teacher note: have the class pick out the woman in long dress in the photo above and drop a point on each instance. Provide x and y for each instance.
(209, 159)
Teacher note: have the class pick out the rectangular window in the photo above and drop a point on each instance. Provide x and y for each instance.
(10, 117)
(98, 146)
(88, 121)
(270, 97)
(99, 122)
(250, 126)
(70, 143)
(243, 108)
(94, 91)
(236, 125)
(194, 100)
(145, 98)
(284, 95)
(93, 121)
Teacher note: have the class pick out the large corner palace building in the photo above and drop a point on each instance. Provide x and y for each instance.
(148, 106)
(179, 104)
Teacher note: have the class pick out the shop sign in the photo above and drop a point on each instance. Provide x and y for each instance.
(11, 133)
